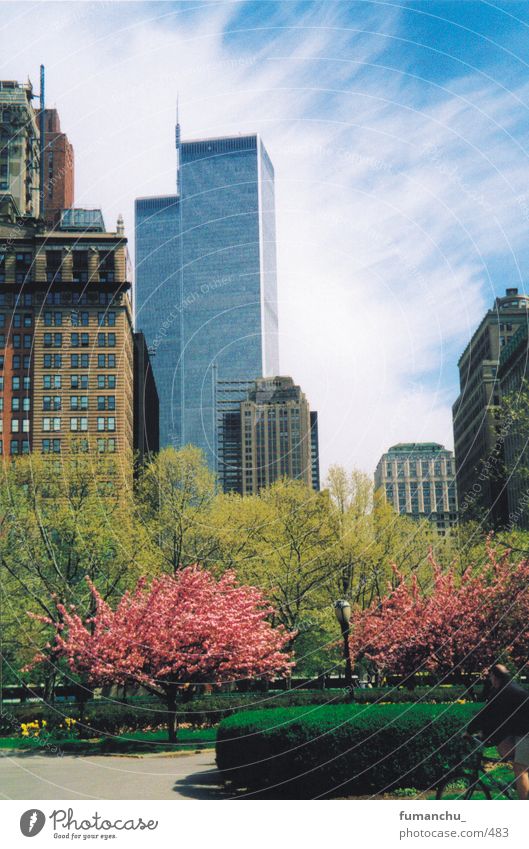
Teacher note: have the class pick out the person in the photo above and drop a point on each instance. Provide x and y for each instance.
(504, 723)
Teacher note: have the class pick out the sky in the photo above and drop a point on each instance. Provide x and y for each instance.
(399, 134)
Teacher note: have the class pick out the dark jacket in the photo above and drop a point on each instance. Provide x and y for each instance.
(506, 713)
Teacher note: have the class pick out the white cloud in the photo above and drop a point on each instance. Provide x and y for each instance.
(393, 196)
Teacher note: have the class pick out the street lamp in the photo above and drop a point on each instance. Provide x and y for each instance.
(342, 609)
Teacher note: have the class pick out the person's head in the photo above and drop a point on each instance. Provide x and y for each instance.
(499, 676)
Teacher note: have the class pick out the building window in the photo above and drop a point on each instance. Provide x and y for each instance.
(80, 267)
(106, 319)
(23, 263)
(52, 360)
(80, 319)
(51, 446)
(79, 381)
(106, 266)
(53, 266)
(53, 340)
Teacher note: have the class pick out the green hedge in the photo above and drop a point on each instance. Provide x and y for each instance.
(108, 717)
(343, 749)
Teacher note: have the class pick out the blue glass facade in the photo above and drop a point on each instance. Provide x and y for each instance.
(210, 257)
(158, 304)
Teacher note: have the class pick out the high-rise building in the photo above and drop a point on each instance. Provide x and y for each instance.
(146, 402)
(58, 169)
(418, 480)
(513, 370)
(19, 152)
(66, 342)
(478, 442)
(206, 292)
(315, 450)
(276, 436)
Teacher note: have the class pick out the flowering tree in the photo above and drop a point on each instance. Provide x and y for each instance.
(184, 629)
(454, 625)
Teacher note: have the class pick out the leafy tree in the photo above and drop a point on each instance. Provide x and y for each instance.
(61, 520)
(279, 540)
(184, 629)
(460, 624)
(175, 493)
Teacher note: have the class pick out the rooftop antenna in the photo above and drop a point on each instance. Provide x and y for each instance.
(177, 145)
(41, 140)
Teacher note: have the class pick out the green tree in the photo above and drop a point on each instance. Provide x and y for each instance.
(174, 497)
(61, 520)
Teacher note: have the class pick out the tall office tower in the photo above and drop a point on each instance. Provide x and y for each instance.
(19, 152)
(146, 402)
(513, 370)
(58, 169)
(229, 395)
(276, 436)
(206, 292)
(66, 343)
(418, 480)
(479, 445)
(315, 450)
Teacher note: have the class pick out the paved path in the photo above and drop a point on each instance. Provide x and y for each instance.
(37, 776)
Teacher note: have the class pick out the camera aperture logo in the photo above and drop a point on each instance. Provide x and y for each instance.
(32, 822)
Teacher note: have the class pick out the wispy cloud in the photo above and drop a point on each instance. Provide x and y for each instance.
(400, 201)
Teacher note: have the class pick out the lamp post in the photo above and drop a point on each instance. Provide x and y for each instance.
(342, 609)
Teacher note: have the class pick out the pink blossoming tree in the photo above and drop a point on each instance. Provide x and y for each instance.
(452, 625)
(181, 630)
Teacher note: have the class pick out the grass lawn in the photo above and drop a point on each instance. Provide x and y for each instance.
(189, 739)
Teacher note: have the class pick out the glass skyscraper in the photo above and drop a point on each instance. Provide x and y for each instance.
(206, 289)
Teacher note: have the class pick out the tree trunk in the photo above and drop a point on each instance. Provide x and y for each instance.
(172, 718)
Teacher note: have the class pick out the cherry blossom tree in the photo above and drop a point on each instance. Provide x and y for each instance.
(181, 630)
(452, 625)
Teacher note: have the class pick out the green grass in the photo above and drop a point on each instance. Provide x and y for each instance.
(189, 739)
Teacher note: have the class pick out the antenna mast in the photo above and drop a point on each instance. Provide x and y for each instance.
(177, 145)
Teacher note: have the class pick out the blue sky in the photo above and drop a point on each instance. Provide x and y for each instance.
(399, 134)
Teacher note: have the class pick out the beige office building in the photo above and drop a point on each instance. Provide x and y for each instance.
(275, 434)
(418, 480)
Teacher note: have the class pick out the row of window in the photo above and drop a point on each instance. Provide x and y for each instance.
(17, 361)
(26, 299)
(18, 319)
(53, 446)
(17, 382)
(78, 318)
(77, 402)
(18, 340)
(79, 361)
(54, 423)
(77, 381)
(77, 340)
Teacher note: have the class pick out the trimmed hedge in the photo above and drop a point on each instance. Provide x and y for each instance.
(102, 716)
(343, 749)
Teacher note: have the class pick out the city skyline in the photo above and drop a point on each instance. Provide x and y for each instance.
(389, 251)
